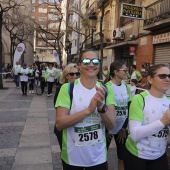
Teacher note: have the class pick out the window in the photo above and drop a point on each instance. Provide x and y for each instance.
(53, 17)
(33, 1)
(54, 1)
(43, 26)
(70, 17)
(53, 10)
(40, 35)
(42, 19)
(42, 50)
(71, 2)
(42, 10)
(33, 9)
(42, 1)
(41, 43)
(53, 25)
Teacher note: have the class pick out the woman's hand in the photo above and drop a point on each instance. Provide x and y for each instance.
(121, 136)
(100, 96)
(166, 117)
(98, 99)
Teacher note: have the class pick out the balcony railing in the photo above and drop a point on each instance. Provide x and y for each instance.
(100, 3)
(107, 36)
(156, 12)
(92, 8)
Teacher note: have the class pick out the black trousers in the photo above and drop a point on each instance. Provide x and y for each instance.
(50, 87)
(131, 162)
(42, 84)
(31, 84)
(24, 87)
(102, 166)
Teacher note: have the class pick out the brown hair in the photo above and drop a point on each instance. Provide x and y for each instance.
(152, 71)
(87, 50)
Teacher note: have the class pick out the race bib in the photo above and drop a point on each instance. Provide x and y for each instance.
(161, 135)
(88, 135)
(121, 111)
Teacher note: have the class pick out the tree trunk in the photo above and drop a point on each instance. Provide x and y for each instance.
(1, 82)
(101, 41)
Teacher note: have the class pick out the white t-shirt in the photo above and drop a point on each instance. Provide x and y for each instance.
(133, 90)
(16, 69)
(122, 97)
(153, 145)
(84, 144)
(50, 72)
(133, 76)
(24, 77)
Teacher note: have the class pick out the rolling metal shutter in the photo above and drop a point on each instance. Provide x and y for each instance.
(162, 54)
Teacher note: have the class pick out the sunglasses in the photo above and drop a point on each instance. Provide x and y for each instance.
(125, 70)
(72, 74)
(87, 61)
(162, 76)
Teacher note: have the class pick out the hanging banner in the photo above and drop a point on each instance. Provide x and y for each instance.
(18, 52)
(56, 56)
(132, 50)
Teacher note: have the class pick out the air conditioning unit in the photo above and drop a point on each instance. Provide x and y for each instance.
(118, 33)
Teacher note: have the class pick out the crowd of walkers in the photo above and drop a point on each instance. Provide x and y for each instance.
(36, 77)
(89, 114)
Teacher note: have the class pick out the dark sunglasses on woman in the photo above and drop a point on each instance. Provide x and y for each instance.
(72, 74)
(162, 76)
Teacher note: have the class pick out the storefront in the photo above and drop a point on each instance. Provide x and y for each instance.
(162, 48)
(122, 52)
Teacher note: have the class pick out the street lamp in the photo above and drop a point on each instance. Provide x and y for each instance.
(34, 53)
(67, 44)
(13, 38)
(93, 21)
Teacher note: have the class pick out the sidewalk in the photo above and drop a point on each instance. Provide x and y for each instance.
(27, 141)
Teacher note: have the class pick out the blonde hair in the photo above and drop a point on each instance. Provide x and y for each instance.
(65, 72)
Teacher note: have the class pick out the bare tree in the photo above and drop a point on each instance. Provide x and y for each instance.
(54, 37)
(18, 26)
(6, 6)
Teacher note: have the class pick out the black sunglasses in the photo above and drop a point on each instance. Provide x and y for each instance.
(162, 76)
(87, 61)
(72, 74)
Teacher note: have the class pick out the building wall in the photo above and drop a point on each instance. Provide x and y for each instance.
(145, 51)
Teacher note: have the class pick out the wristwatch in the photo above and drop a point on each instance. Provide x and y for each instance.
(103, 109)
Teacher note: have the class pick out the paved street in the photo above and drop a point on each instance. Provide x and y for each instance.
(27, 141)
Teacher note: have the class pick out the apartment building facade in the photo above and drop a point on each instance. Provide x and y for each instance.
(143, 40)
(47, 18)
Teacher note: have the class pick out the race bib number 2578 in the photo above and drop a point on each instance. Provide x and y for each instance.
(88, 135)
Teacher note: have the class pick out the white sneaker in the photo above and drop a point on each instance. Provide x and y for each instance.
(48, 95)
(30, 91)
(33, 91)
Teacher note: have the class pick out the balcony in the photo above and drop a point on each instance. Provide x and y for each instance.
(107, 37)
(99, 4)
(157, 15)
(93, 8)
(88, 43)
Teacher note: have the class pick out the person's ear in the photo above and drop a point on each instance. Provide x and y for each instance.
(150, 79)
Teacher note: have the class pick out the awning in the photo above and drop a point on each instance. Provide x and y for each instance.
(122, 44)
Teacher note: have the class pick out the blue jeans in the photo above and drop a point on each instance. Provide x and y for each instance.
(16, 79)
